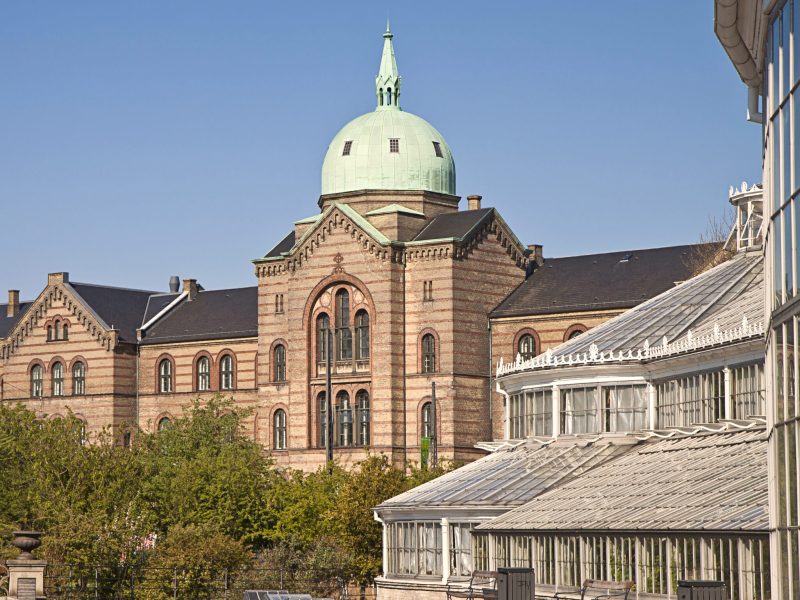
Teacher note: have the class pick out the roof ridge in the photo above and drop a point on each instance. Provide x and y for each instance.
(115, 287)
(628, 251)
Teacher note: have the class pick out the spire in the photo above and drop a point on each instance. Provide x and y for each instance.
(387, 83)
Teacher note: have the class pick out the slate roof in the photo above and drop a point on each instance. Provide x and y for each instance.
(284, 245)
(7, 323)
(513, 475)
(453, 225)
(711, 482)
(612, 280)
(120, 308)
(212, 315)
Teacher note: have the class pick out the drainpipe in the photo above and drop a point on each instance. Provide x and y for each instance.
(506, 406)
(753, 114)
(491, 358)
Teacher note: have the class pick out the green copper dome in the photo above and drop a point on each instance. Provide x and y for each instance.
(388, 149)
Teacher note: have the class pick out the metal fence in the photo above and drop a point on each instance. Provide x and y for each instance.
(82, 582)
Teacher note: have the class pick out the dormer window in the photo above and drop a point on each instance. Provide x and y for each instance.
(346, 150)
(394, 145)
(437, 148)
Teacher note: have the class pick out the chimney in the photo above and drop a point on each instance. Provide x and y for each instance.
(13, 303)
(536, 254)
(190, 286)
(474, 202)
(174, 284)
(55, 278)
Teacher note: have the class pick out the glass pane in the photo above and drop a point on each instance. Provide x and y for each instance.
(786, 27)
(775, 92)
(777, 259)
(786, 130)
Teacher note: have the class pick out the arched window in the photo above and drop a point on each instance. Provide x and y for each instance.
(323, 419)
(362, 418)
(163, 423)
(427, 420)
(279, 374)
(279, 429)
(574, 334)
(57, 375)
(78, 379)
(428, 353)
(203, 382)
(527, 346)
(226, 372)
(165, 376)
(57, 333)
(344, 419)
(343, 334)
(37, 381)
(380, 97)
(323, 324)
(388, 96)
(65, 332)
(49, 333)
(362, 335)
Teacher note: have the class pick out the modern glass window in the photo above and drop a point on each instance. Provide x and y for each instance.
(323, 324)
(362, 418)
(226, 372)
(362, 335)
(394, 145)
(280, 363)
(415, 548)
(427, 420)
(344, 419)
(37, 381)
(57, 375)
(344, 335)
(428, 353)
(163, 423)
(279, 429)
(203, 374)
(165, 376)
(579, 410)
(322, 403)
(527, 346)
(530, 413)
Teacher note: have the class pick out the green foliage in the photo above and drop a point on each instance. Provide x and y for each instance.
(207, 495)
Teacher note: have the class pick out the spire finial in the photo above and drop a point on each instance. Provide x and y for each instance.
(387, 83)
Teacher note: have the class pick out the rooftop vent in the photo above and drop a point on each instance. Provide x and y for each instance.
(174, 284)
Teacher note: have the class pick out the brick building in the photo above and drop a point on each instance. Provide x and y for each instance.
(411, 290)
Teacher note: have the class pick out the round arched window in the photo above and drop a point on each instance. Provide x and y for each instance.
(527, 346)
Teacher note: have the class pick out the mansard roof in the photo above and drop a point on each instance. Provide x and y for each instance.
(211, 315)
(119, 308)
(713, 482)
(612, 280)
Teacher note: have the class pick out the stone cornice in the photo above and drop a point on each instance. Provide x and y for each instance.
(73, 304)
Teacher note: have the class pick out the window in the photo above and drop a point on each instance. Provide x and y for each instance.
(280, 364)
(624, 407)
(388, 96)
(78, 379)
(362, 417)
(531, 413)
(574, 332)
(427, 420)
(748, 390)
(49, 333)
(428, 353)
(527, 346)
(344, 419)
(343, 334)
(126, 439)
(165, 376)
(394, 145)
(278, 303)
(437, 148)
(203, 374)
(688, 400)
(461, 549)
(37, 381)
(57, 333)
(362, 335)
(380, 97)
(346, 150)
(163, 423)
(323, 419)
(427, 290)
(579, 410)
(279, 429)
(226, 372)
(57, 374)
(65, 332)
(323, 329)
(415, 548)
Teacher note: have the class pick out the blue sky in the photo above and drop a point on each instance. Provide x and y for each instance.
(144, 139)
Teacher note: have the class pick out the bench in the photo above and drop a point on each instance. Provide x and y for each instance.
(482, 584)
(607, 589)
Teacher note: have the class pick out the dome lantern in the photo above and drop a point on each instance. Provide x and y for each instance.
(387, 82)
